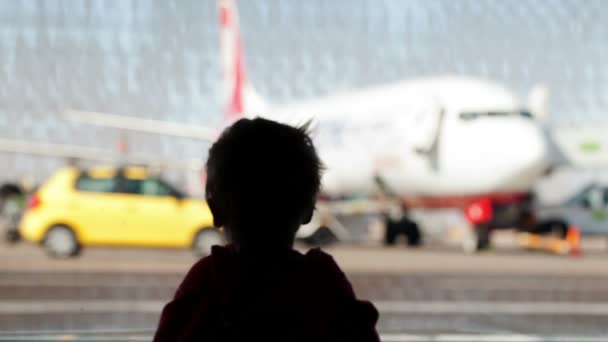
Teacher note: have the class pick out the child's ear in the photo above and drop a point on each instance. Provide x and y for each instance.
(218, 215)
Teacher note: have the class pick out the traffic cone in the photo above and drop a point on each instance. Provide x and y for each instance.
(573, 237)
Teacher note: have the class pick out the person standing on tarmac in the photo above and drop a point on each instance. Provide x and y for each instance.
(262, 181)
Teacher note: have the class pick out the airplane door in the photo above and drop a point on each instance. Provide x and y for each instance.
(424, 133)
(424, 126)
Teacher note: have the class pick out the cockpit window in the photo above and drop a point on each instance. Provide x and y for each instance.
(468, 116)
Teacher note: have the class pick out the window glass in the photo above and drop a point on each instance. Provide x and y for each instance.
(468, 116)
(605, 197)
(146, 187)
(90, 184)
(131, 186)
(595, 198)
(154, 187)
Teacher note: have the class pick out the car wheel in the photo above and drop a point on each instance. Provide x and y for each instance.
(559, 228)
(207, 238)
(60, 241)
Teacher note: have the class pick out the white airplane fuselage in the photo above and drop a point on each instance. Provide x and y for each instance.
(432, 137)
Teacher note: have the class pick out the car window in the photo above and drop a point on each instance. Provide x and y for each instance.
(582, 197)
(605, 197)
(155, 187)
(131, 186)
(594, 198)
(90, 184)
(147, 187)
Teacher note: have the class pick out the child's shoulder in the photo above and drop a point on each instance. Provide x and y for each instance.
(328, 272)
(316, 255)
(218, 254)
(202, 272)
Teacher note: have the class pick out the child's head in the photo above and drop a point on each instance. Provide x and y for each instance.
(262, 181)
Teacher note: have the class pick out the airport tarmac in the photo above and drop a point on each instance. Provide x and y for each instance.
(422, 294)
(353, 258)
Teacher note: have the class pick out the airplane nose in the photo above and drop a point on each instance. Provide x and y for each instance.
(538, 149)
(526, 152)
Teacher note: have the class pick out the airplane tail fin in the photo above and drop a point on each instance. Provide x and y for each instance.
(240, 99)
(572, 146)
(538, 99)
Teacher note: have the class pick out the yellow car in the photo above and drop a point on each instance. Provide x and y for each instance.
(122, 207)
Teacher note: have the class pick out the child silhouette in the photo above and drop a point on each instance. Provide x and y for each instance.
(262, 181)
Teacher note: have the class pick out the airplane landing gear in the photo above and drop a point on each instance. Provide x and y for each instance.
(409, 229)
(482, 237)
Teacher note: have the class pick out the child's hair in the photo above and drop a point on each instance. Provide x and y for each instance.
(264, 176)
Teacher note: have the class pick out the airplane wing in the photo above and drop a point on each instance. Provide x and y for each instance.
(55, 150)
(133, 123)
(94, 154)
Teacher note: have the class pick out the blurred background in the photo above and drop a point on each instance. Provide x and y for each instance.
(160, 60)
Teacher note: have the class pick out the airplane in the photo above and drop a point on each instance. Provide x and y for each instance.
(446, 141)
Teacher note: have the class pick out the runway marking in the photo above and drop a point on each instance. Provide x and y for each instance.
(37, 338)
(77, 306)
(492, 308)
(385, 307)
(121, 332)
(100, 336)
(87, 283)
(447, 282)
(487, 338)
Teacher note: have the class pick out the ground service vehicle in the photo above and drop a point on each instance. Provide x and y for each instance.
(587, 210)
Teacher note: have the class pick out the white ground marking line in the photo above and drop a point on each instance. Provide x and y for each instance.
(69, 337)
(487, 338)
(99, 336)
(78, 306)
(136, 332)
(492, 308)
(89, 283)
(124, 281)
(385, 307)
(405, 338)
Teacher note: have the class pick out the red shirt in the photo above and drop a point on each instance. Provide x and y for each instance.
(289, 297)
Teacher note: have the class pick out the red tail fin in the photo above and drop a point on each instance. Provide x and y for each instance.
(239, 96)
